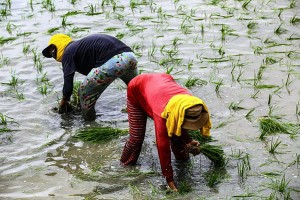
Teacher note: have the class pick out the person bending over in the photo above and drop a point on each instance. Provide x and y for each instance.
(174, 111)
(101, 58)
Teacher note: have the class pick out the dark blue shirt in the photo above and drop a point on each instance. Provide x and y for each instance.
(87, 53)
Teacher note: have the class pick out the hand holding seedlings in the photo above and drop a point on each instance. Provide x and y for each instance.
(64, 106)
(193, 147)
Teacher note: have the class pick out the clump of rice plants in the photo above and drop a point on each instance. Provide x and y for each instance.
(184, 187)
(215, 176)
(193, 81)
(271, 125)
(75, 98)
(213, 152)
(99, 134)
(273, 146)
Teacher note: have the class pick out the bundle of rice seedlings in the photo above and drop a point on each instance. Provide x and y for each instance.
(75, 99)
(99, 134)
(212, 152)
(271, 125)
(196, 135)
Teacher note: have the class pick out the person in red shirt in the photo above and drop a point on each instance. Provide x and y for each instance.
(174, 111)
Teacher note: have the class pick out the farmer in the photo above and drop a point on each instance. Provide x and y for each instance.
(174, 111)
(101, 58)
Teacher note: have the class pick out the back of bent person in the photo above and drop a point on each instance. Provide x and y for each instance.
(174, 111)
(101, 58)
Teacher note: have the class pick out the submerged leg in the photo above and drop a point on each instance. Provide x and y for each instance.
(101, 77)
(137, 125)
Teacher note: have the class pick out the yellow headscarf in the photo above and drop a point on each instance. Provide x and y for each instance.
(175, 110)
(60, 41)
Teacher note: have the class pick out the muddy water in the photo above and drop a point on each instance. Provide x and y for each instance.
(211, 40)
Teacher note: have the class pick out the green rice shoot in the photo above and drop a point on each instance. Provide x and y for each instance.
(271, 125)
(99, 134)
(75, 100)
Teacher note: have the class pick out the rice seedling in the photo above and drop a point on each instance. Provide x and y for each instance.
(247, 195)
(270, 60)
(184, 187)
(194, 81)
(241, 170)
(37, 61)
(295, 20)
(213, 152)
(237, 154)
(14, 81)
(190, 64)
(226, 30)
(257, 50)
(19, 96)
(43, 89)
(274, 145)
(279, 30)
(48, 5)
(73, 2)
(271, 125)
(31, 4)
(10, 27)
(92, 10)
(221, 51)
(296, 161)
(246, 4)
(214, 2)
(26, 48)
(298, 108)
(151, 52)
(134, 28)
(5, 130)
(292, 4)
(135, 192)
(252, 26)
(4, 60)
(281, 186)
(42, 79)
(99, 134)
(5, 12)
(235, 106)
(218, 85)
(137, 49)
(75, 98)
(64, 23)
(161, 14)
(243, 166)
(249, 114)
(260, 72)
(75, 30)
(292, 37)
(214, 177)
(293, 55)
(4, 40)
(256, 92)
(4, 119)
(241, 72)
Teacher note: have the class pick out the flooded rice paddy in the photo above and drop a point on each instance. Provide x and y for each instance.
(242, 57)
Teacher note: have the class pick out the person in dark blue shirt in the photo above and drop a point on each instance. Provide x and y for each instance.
(101, 58)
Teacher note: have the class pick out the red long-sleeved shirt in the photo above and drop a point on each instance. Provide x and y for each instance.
(148, 94)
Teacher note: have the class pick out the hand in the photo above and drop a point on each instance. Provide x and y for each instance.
(172, 186)
(194, 147)
(64, 106)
